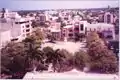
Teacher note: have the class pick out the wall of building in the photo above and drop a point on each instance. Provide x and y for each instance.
(4, 37)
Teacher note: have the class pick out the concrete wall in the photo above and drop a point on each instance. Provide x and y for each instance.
(4, 38)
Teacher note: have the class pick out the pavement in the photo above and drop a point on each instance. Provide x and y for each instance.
(69, 46)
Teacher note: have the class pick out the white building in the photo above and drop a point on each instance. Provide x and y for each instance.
(20, 28)
(4, 37)
(108, 30)
(55, 29)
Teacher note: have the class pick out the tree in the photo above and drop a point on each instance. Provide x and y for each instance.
(12, 49)
(81, 60)
(32, 52)
(52, 56)
(66, 61)
(5, 63)
(102, 59)
(28, 52)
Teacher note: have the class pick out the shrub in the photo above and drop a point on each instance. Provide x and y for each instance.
(81, 60)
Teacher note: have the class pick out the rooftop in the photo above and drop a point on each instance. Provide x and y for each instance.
(70, 75)
(105, 25)
(68, 26)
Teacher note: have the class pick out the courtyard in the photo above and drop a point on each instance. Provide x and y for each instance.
(72, 47)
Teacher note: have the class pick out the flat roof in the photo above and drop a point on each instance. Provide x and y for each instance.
(102, 24)
(68, 26)
(70, 75)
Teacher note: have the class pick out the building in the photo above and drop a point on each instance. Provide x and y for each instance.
(108, 17)
(6, 14)
(55, 30)
(23, 25)
(4, 37)
(108, 30)
(19, 27)
(71, 31)
(40, 16)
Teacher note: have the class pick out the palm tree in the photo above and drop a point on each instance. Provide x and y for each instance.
(32, 52)
(53, 56)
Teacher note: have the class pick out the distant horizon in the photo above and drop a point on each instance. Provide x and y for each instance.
(62, 9)
(14, 5)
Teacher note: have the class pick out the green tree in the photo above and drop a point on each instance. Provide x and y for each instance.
(52, 56)
(66, 61)
(81, 60)
(5, 64)
(32, 51)
(102, 59)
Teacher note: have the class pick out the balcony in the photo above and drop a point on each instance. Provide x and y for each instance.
(27, 26)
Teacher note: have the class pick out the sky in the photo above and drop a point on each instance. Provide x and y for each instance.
(55, 4)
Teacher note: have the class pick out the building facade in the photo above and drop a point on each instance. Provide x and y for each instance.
(71, 31)
(4, 37)
(108, 17)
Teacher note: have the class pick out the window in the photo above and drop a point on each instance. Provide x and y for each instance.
(108, 18)
(76, 28)
(27, 30)
(63, 34)
(90, 29)
(23, 30)
(76, 34)
(70, 34)
(81, 27)
(16, 23)
(70, 30)
(21, 22)
(65, 18)
(15, 39)
(109, 37)
(27, 26)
